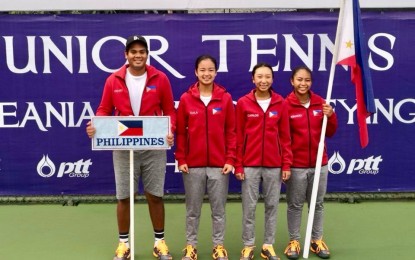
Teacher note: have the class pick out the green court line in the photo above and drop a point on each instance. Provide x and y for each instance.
(367, 230)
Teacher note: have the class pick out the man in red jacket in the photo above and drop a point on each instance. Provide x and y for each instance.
(138, 89)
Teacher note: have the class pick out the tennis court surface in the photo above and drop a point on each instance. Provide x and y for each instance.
(366, 230)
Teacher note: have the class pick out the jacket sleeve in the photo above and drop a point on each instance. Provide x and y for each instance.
(240, 133)
(167, 102)
(106, 105)
(181, 132)
(285, 138)
(230, 132)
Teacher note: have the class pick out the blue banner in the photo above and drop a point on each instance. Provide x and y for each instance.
(53, 69)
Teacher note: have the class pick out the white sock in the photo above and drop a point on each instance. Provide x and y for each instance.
(156, 240)
(124, 239)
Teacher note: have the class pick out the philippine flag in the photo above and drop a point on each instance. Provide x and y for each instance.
(353, 52)
(151, 89)
(130, 128)
(273, 114)
(216, 110)
(317, 112)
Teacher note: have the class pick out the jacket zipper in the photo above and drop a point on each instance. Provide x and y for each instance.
(207, 135)
(309, 136)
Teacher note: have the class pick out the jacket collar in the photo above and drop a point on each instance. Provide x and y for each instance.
(217, 93)
(275, 98)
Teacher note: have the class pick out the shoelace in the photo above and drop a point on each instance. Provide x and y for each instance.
(189, 251)
(247, 250)
(321, 245)
(220, 251)
(270, 249)
(162, 247)
(121, 249)
(293, 246)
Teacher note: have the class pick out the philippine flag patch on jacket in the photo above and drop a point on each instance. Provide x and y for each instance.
(216, 110)
(317, 112)
(151, 89)
(273, 114)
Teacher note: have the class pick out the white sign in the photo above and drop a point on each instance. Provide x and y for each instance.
(130, 132)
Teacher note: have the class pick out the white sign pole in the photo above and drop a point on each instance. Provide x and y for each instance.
(132, 204)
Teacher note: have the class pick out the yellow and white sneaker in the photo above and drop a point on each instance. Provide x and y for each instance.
(247, 253)
(190, 253)
(219, 253)
(161, 251)
(122, 252)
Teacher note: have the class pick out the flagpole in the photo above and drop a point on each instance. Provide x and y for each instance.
(132, 204)
(322, 138)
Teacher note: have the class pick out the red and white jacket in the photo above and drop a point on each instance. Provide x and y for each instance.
(205, 135)
(263, 138)
(305, 125)
(157, 98)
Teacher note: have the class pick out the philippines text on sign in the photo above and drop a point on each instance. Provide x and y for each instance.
(130, 133)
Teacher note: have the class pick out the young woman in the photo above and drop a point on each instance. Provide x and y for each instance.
(306, 111)
(263, 155)
(205, 151)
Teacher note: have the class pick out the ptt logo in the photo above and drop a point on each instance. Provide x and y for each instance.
(79, 169)
(369, 165)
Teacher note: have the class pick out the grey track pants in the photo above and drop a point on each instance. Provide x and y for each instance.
(196, 183)
(271, 187)
(299, 188)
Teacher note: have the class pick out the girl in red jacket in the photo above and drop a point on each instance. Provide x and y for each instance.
(263, 155)
(306, 111)
(205, 152)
